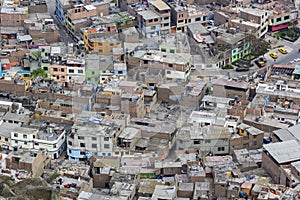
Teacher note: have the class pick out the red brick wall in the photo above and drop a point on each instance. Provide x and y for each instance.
(13, 19)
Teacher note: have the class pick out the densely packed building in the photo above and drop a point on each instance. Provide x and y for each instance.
(155, 99)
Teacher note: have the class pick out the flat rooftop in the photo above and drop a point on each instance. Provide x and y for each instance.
(148, 14)
(282, 151)
(231, 38)
(233, 84)
(7, 128)
(160, 5)
(252, 11)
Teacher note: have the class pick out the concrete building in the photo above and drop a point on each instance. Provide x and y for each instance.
(102, 169)
(82, 143)
(279, 16)
(276, 155)
(12, 14)
(256, 16)
(164, 192)
(98, 68)
(5, 135)
(149, 23)
(286, 134)
(247, 160)
(52, 139)
(101, 44)
(176, 66)
(246, 137)
(236, 43)
(58, 73)
(174, 43)
(164, 11)
(61, 6)
(133, 104)
(44, 29)
(79, 12)
(211, 139)
(34, 163)
(231, 89)
(193, 93)
(183, 14)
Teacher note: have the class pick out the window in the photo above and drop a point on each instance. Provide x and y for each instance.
(71, 71)
(145, 61)
(62, 70)
(207, 141)
(80, 71)
(106, 139)
(111, 44)
(82, 145)
(116, 153)
(168, 72)
(221, 148)
(24, 136)
(172, 51)
(166, 18)
(286, 17)
(106, 146)
(55, 69)
(82, 153)
(197, 142)
(156, 19)
(70, 143)
(153, 27)
(100, 44)
(16, 142)
(94, 138)
(36, 144)
(33, 136)
(25, 143)
(70, 151)
(15, 134)
(170, 65)
(94, 146)
(54, 146)
(93, 72)
(198, 19)
(163, 50)
(6, 139)
(80, 138)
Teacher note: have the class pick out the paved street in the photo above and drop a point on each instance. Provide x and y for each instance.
(64, 36)
(293, 53)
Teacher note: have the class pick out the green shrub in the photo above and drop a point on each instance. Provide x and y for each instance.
(228, 67)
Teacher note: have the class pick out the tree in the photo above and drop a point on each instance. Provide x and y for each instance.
(39, 72)
(257, 46)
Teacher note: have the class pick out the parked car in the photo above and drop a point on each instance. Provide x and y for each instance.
(274, 55)
(260, 62)
(242, 69)
(282, 50)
